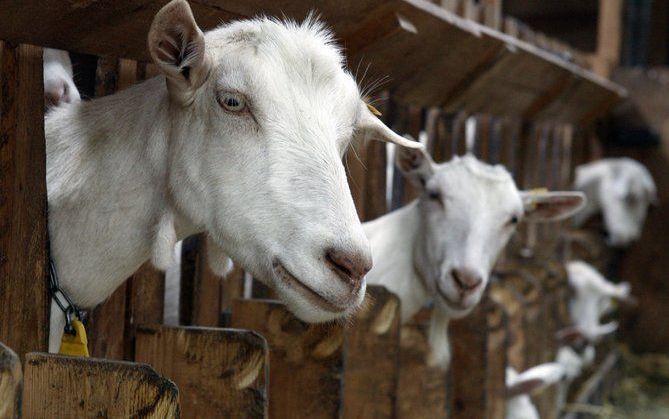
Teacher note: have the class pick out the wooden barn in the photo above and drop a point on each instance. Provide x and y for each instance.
(197, 219)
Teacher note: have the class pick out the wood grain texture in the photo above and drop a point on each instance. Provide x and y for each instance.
(74, 387)
(423, 390)
(478, 343)
(109, 331)
(200, 302)
(219, 372)
(11, 383)
(372, 357)
(306, 360)
(399, 38)
(23, 201)
(145, 300)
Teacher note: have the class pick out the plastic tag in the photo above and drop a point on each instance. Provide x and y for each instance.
(373, 110)
(77, 344)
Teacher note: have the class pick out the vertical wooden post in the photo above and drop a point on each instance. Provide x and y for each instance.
(306, 360)
(478, 364)
(372, 355)
(11, 383)
(23, 218)
(107, 333)
(200, 287)
(366, 171)
(609, 36)
(422, 390)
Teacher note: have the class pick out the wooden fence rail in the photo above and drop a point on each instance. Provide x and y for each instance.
(219, 372)
(62, 386)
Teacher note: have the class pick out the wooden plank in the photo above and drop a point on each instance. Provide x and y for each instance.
(306, 359)
(492, 13)
(478, 363)
(609, 36)
(497, 328)
(372, 355)
(108, 337)
(23, 221)
(399, 38)
(200, 300)
(422, 390)
(11, 383)
(75, 387)
(107, 326)
(146, 302)
(219, 372)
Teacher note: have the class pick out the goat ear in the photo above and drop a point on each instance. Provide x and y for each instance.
(416, 165)
(523, 387)
(369, 126)
(568, 335)
(176, 45)
(551, 206)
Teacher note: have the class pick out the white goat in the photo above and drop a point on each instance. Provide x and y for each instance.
(59, 84)
(593, 298)
(519, 387)
(443, 245)
(621, 189)
(242, 137)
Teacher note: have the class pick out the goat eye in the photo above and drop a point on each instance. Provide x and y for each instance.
(513, 220)
(232, 102)
(434, 195)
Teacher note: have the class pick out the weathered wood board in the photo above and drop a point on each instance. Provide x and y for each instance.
(74, 387)
(23, 225)
(306, 359)
(372, 357)
(219, 372)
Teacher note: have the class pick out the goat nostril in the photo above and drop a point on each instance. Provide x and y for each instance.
(465, 279)
(349, 267)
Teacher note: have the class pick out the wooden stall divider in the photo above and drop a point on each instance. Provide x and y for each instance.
(219, 372)
(371, 357)
(306, 359)
(145, 302)
(75, 387)
(24, 321)
(422, 390)
(478, 364)
(200, 299)
(107, 335)
(515, 306)
(11, 383)
(497, 329)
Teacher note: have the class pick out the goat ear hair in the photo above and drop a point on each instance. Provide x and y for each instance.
(523, 387)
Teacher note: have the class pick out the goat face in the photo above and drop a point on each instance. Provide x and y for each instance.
(59, 84)
(469, 210)
(262, 112)
(622, 189)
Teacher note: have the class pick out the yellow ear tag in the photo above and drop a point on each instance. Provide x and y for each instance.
(373, 110)
(533, 193)
(77, 344)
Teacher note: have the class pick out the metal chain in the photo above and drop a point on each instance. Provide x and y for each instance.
(63, 300)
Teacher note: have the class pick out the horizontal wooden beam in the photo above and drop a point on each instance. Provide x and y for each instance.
(429, 55)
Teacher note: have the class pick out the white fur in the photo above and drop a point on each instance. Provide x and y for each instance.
(416, 247)
(535, 378)
(621, 189)
(59, 84)
(267, 183)
(593, 298)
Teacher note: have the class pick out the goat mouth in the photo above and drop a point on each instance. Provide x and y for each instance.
(456, 305)
(304, 290)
